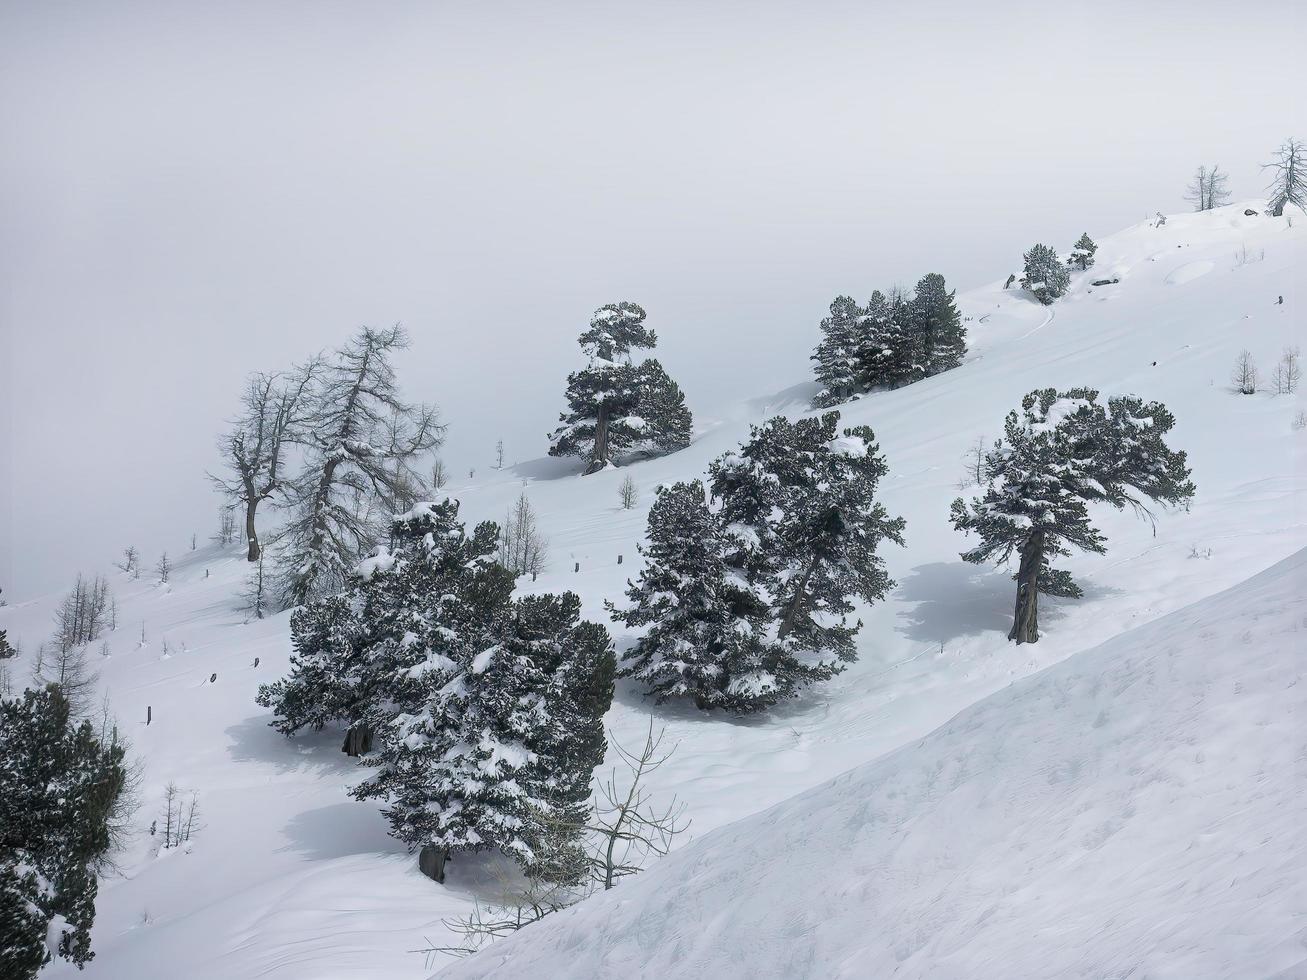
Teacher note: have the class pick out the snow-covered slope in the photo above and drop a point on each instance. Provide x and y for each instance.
(292, 879)
(1137, 810)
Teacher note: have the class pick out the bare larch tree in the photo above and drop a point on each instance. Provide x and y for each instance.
(362, 440)
(1209, 189)
(1288, 176)
(254, 448)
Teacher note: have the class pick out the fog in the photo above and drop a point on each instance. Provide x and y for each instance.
(194, 191)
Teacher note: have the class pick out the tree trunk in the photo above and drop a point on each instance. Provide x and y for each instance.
(251, 535)
(599, 457)
(796, 605)
(431, 862)
(1025, 622)
(358, 740)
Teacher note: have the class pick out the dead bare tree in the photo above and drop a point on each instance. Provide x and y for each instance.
(1244, 375)
(67, 668)
(628, 829)
(226, 532)
(975, 472)
(83, 614)
(255, 446)
(163, 568)
(1209, 189)
(521, 545)
(627, 492)
(1288, 176)
(130, 561)
(439, 474)
(1288, 372)
(362, 441)
(499, 455)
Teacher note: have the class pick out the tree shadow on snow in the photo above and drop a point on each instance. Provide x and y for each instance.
(955, 599)
(340, 830)
(252, 740)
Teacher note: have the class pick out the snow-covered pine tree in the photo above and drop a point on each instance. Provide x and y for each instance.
(888, 356)
(836, 355)
(605, 399)
(59, 786)
(667, 422)
(798, 506)
(1083, 252)
(705, 625)
(6, 651)
(1044, 275)
(363, 440)
(365, 655)
(1063, 451)
(501, 752)
(577, 661)
(934, 318)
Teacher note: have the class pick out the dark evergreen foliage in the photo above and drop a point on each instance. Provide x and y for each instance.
(619, 406)
(705, 624)
(893, 341)
(1063, 451)
(487, 712)
(58, 787)
(748, 602)
(1044, 275)
(937, 325)
(1083, 253)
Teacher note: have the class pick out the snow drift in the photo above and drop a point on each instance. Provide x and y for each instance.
(1137, 810)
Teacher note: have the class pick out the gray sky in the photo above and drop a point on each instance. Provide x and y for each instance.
(190, 191)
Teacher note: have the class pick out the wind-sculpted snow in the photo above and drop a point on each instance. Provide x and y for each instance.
(1137, 810)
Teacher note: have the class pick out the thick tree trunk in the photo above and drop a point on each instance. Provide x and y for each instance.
(1025, 621)
(431, 862)
(599, 457)
(251, 535)
(358, 740)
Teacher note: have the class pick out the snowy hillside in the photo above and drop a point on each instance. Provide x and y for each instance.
(1136, 810)
(291, 879)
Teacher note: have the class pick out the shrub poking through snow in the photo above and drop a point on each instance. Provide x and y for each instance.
(1061, 452)
(617, 406)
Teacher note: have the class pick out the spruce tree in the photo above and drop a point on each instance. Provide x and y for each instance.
(704, 624)
(1044, 276)
(934, 318)
(59, 784)
(1063, 451)
(6, 651)
(836, 355)
(1083, 253)
(619, 405)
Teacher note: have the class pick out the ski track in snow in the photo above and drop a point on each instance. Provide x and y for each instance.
(292, 879)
